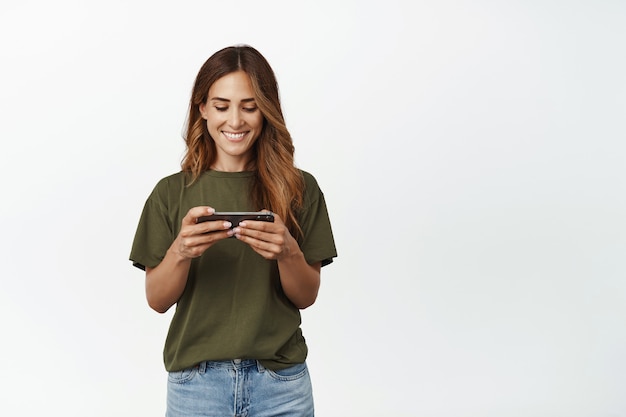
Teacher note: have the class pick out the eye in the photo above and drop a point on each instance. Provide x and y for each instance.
(250, 109)
(221, 108)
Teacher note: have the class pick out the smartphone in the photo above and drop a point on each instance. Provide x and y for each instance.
(234, 217)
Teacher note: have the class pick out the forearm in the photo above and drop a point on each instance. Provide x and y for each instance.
(166, 282)
(300, 281)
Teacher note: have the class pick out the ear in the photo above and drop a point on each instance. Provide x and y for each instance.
(203, 110)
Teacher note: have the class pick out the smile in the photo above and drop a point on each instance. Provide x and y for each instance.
(234, 136)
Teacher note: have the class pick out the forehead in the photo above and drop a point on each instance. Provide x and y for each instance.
(232, 86)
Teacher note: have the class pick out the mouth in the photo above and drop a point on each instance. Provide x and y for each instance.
(234, 136)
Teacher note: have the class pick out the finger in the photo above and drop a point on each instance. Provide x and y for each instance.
(262, 234)
(207, 238)
(195, 245)
(213, 226)
(193, 223)
(204, 228)
(260, 226)
(260, 240)
(195, 212)
(267, 250)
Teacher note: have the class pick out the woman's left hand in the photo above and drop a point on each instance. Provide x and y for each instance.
(300, 281)
(270, 240)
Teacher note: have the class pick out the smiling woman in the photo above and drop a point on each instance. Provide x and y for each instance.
(233, 120)
(237, 322)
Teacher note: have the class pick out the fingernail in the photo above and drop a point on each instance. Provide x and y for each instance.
(227, 225)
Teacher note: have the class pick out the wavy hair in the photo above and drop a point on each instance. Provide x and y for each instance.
(278, 185)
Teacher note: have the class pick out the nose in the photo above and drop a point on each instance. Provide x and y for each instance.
(234, 119)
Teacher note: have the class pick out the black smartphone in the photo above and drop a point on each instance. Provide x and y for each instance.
(234, 217)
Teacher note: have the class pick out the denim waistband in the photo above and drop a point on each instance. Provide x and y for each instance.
(230, 364)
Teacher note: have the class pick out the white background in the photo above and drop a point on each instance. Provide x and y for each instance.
(472, 154)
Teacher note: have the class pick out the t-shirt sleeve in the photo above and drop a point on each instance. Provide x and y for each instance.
(317, 244)
(155, 231)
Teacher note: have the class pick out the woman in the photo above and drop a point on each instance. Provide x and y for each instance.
(234, 346)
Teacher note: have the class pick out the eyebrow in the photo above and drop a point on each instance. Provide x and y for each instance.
(245, 100)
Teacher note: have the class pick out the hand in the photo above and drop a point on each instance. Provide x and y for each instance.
(195, 238)
(270, 240)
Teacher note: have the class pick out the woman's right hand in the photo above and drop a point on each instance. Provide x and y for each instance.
(166, 282)
(195, 238)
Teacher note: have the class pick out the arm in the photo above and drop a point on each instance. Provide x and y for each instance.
(166, 282)
(300, 281)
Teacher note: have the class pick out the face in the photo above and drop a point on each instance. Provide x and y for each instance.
(233, 120)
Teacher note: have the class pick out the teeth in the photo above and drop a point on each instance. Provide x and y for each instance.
(234, 135)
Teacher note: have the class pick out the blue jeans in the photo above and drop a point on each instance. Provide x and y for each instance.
(239, 388)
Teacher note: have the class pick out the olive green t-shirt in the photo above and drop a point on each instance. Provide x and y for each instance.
(233, 305)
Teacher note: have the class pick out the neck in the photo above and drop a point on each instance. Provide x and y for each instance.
(233, 166)
(225, 162)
